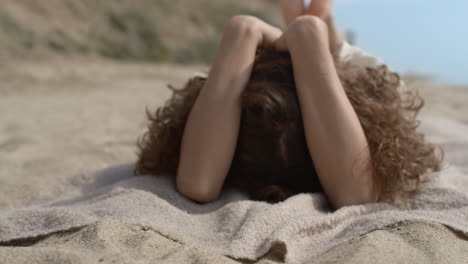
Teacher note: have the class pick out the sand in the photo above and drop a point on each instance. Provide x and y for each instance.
(110, 241)
(59, 117)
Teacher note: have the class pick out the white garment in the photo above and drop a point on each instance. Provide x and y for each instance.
(357, 56)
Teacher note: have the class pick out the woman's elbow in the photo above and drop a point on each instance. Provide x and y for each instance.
(198, 192)
(366, 196)
(358, 200)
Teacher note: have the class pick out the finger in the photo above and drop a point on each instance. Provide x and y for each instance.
(270, 33)
(280, 44)
(270, 38)
(291, 9)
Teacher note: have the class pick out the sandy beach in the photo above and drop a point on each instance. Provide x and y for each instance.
(64, 116)
(60, 117)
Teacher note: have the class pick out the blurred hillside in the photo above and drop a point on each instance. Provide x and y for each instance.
(143, 30)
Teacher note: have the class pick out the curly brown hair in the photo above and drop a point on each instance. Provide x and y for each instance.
(272, 161)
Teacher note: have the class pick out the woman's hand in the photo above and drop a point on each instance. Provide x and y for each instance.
(244, 33)
(310, 27)
(264, 34)
(233, 64)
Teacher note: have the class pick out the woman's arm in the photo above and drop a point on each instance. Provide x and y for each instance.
(335, 138)
(211, 131)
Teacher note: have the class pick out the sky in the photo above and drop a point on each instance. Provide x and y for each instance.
(424, 36)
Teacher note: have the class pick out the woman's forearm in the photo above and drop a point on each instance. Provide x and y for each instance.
(208, 144)
(211, 131)
(335, 138)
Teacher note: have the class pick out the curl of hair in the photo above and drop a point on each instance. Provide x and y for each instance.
(272, 161)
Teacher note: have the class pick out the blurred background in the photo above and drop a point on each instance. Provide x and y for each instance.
(426, 36)
(76, 76)
(413, 36)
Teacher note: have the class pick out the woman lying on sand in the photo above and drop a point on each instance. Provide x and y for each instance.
(286, 112)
